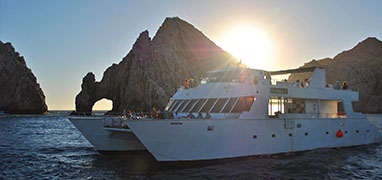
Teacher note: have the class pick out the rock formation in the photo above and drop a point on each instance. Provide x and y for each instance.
(19, 91)
(361, 67)
(154, 68)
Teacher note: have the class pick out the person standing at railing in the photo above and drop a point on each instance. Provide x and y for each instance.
(191, 116)
(165, 114)
(337, 85)
(329, 85)
(344, 85)
(297, 83)
(171, 115)
(186, 84)
(200, 116)
(196, 81)
(134, 115)
(177, 116)
(208, 116)
(154, 113)
(306, 83)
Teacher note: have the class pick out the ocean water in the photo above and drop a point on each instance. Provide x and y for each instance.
(50, 147)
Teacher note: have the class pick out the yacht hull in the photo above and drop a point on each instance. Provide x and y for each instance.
(106, 139)
(189, 140)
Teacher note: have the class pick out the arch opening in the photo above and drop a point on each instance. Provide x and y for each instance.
(102, 106)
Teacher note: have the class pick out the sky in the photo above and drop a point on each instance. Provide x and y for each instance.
(62, 41)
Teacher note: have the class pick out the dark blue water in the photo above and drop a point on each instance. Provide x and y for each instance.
(50, 147)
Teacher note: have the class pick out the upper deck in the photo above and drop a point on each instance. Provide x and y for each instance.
(249, 93)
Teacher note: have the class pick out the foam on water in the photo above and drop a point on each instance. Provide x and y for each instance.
(50, 147)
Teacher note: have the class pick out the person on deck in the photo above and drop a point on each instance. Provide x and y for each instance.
(329, 85)
(344, 85)
(297, 84)
(191, 116)
(191, 82)
(337, 85)
(200, 116)
(208, 116)
(171, 115)
(306, 83)
(186, 84)
(134, 115)
(196, 81)
(154, 113)
(165, 114)
(177, 116)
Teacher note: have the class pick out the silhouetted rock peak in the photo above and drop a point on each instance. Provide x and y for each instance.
(361, 67)
(19, 91)
(171, 23)
(370, 42)
(152, 71)
(143, 38)
(370, 46)
(7, 48)
(88, 80)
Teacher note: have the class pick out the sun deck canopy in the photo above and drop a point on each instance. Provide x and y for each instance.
(240, 75)
(289, 71)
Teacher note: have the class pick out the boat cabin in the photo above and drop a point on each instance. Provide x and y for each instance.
(250, 94)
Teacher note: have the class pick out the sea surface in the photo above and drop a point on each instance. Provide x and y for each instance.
(50, 147)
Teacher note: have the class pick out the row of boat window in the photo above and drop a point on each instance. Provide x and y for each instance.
(212, 105)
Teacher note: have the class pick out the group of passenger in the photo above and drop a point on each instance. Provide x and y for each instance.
(191, 116)
(191, 82)
(153, 114)
(136, 115)
(158, 114)
(304, 84)
(337, 86)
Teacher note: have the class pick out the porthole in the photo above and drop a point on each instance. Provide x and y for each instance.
(367, 130)
(327, 132)
(306, 133)
(346, 132)
(254, 136)
(290, 134)
(273, 135)
(357, 131)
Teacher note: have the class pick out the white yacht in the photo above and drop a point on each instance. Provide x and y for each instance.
(249, 115)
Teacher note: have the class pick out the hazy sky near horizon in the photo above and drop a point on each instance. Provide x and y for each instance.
(63, 40)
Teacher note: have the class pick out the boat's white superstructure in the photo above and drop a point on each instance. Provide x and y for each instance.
(252, 116)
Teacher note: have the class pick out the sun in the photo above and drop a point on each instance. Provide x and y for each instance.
(250, 44)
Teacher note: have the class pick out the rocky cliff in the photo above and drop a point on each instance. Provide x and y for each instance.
(19, 91)
(361, 67)
(154, 68)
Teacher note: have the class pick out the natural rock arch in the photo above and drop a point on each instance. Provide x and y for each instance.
(154, 68)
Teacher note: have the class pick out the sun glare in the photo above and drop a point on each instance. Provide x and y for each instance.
(250, 44)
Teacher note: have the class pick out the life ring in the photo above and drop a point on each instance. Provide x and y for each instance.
(339, 133)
